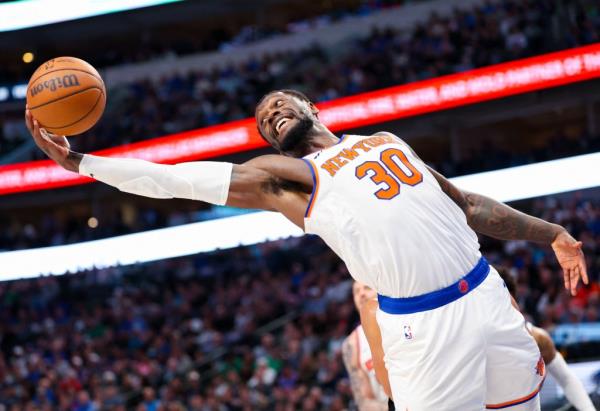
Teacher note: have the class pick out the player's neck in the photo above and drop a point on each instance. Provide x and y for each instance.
(318, 138)
(322, 139)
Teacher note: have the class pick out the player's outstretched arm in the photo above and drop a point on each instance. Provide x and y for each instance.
(497, 220)
(256, 184)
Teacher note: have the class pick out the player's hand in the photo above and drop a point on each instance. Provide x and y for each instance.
(55, 147)
(571, 259)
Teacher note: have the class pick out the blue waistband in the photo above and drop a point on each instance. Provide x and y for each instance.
(435, 299)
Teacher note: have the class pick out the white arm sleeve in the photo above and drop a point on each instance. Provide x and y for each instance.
(204, 180)
(573, 388)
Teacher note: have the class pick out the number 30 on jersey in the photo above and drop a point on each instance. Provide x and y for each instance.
(389, 172)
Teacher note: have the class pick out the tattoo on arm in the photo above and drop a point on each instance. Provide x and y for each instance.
(500, 221)
(496, 219)
(357, 381)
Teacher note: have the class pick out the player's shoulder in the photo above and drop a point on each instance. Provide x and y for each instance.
(390, 135)
(387, 134)
(395, 137)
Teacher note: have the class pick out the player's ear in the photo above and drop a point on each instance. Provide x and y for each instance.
(313, 109)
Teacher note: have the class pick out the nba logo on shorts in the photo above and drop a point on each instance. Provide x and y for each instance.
(408, 332)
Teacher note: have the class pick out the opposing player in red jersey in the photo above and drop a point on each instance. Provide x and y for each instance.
(368, 393)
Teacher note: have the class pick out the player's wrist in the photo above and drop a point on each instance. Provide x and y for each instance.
(73, 161)
(560, 233)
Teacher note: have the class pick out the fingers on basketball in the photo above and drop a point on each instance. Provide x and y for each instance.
(39, 138)
(29, 120)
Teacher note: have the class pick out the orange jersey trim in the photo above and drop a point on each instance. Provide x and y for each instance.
(517, 401)
(315, 191)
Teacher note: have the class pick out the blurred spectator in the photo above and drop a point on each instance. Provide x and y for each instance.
(207, 332)
(490, 33)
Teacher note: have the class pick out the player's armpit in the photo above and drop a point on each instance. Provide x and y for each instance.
(451, 190)
(289, 169)
(246, 189)
(263, 181)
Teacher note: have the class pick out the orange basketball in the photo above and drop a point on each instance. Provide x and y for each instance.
(66, 96)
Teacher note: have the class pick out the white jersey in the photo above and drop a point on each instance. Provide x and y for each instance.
(365, 360)
(379, 208)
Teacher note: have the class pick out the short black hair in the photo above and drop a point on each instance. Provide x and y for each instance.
(509, 280)
(289, 92)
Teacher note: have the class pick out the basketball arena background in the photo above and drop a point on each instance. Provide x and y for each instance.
(110, 301)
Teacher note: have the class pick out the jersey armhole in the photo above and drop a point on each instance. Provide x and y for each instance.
(315, 190)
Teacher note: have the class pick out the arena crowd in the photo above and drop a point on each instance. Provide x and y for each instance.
(493, 32)
(254, 328)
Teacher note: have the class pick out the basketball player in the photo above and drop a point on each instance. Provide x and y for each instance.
(555, 363)
(400, 227)
(368, 393)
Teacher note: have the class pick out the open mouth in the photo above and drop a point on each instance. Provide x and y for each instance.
(281, 124)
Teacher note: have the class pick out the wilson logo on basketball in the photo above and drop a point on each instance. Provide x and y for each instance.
(68, 80)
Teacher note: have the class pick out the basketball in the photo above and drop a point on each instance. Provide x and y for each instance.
(66, 95)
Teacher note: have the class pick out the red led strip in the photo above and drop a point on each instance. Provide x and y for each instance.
(493, 82)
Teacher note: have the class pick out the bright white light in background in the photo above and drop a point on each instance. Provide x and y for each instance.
(534, 180)
(23, 14)
(19, 91)
(4, 93)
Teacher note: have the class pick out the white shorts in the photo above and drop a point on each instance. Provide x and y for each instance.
(471, 354)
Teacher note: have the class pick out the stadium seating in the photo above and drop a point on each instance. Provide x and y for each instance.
(249, 328)
(484, 35)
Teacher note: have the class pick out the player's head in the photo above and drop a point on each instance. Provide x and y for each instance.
(362, 293)
(285, 119)
(510, 282)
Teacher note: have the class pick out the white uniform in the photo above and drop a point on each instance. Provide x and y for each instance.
(379, 208)
(365, 360)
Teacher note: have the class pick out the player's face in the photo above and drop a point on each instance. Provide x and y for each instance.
(362, 293)
(286, 121)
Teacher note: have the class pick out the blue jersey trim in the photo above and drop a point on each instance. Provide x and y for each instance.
(341, 139)
(315, 187)
(436, 299)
